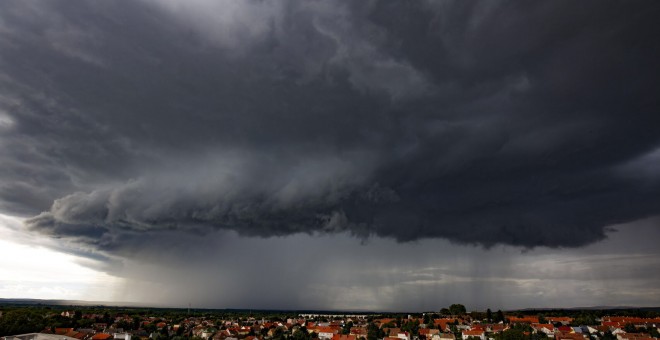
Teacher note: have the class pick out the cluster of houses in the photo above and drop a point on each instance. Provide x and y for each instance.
(353, 327)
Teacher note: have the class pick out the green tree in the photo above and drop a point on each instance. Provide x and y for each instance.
(457, 309)
(500, 316)
(347, 328)
(373, 332)
(489, 315)
(630, 328)
(136, 322)
(511, 334)
(542, 319)
(278, 334)
(301, 334)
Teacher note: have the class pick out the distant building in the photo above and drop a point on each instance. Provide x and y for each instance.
(474, 334)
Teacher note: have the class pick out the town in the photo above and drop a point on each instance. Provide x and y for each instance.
(453, 323)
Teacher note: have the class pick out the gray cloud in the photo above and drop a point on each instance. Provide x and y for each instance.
(507, 123)
(335, 272)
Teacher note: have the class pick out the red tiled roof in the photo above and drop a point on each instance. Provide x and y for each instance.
(62, 331)
(473, 333)
(568, 336)
(524, 319)
(343, 337)
(326, 329)
(101, 336)
(359, 331)
(548, 326)
(442, 323)
(626, 319)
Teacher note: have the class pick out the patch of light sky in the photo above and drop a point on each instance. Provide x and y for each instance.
(29, 268)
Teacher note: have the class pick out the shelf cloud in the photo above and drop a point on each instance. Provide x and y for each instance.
(525, 124)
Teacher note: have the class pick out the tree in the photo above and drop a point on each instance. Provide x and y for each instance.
(136, 322)
(457, 309)
(278, 334)
(489, 315)
(301, 334)
(373, 332)
(511, 334)
(584, 319)
(630, 328)
(500, 316)
(445, 311)
(542, 319)
(347, 328)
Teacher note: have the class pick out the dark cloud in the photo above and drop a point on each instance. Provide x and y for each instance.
(333, 272)
(531, 124)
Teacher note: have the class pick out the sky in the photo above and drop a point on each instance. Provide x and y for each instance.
(362, 155)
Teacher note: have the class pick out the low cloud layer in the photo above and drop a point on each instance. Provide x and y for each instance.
(530, 124)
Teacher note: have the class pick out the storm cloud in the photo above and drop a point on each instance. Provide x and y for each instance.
(525, 124)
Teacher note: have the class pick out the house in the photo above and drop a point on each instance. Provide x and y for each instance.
(568, 336)
(564, 329)
(326, 332)
(102, 336)
(443, 324)
(428, 333)
(359, 332)
(474, 334)
(633, 336)
(559, 319)
(344, 337)
(403, 335)
(496, 328)
(524, 319)
(616, 331)
(596, 329)
(63, 331)
(392, 331)
(547, 328)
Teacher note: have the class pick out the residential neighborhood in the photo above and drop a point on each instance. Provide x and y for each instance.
(448, 324)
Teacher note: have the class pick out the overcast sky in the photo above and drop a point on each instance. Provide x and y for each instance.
(382, 155)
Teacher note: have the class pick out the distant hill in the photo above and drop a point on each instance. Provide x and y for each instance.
(65, 303)
(4, 301)
(16, 301)
(656, 309)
